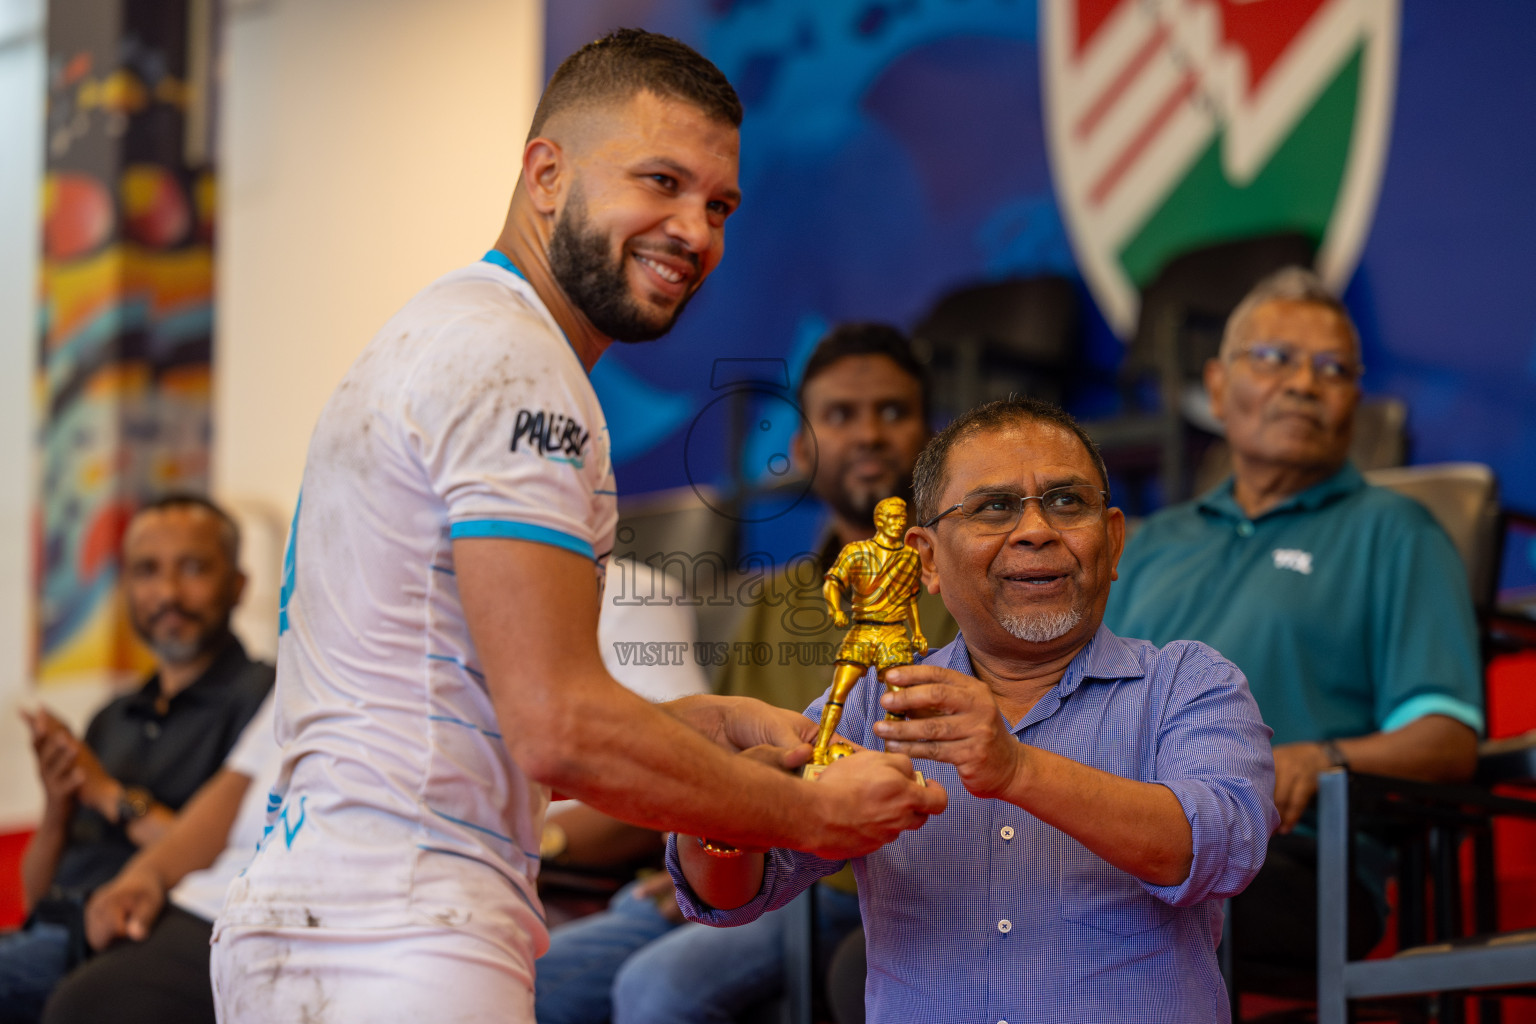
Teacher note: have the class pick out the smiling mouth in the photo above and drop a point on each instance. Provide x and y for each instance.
(668, 274)
(1043, 579)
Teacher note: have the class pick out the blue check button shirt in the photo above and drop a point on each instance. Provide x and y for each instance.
(987, 914)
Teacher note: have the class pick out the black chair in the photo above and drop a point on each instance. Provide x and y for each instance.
(986, 341)
(1427, 824)
(1183, 313)
(1431, 823)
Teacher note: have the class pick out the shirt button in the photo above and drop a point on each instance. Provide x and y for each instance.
(1005, 926)
(1006, 831)
(1245, 529)
(152, 730)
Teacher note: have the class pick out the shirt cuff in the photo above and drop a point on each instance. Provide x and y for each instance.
(1415, 708)
(1229, 834)
(510, 530)
(786, 874)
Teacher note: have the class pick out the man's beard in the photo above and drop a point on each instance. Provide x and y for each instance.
(1042, 627)
(859, 507)
(208, 637)
(580, 260)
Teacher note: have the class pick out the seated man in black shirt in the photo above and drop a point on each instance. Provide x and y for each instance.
(144, 754)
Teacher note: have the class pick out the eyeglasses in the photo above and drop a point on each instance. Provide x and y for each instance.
(1279, 359)
(1064, 508)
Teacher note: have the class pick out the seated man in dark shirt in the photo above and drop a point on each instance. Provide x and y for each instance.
(120, 786)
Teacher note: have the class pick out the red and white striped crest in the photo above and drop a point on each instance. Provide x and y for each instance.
(1178, 123)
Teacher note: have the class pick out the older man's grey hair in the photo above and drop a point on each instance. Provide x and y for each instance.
(1289, 284)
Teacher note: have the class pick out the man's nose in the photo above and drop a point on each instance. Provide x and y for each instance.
(1032, 527)
(1303, 377)
(690, 226)
(868, 427)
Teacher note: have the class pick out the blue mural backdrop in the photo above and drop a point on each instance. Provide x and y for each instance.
(893, 151)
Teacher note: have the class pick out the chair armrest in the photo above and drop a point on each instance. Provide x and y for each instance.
(1510, 760)
(1374, 799)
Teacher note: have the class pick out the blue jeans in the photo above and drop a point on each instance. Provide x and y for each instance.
(32, 961)
(573, 980)
(632, 965)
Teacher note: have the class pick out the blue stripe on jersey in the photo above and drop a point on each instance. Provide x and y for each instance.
(501, 259)
(537, 911)
(481, 828)
(466, 666)
(520, 531)
(468, 725)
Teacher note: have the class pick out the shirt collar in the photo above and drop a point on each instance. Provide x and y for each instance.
(204, 687)
(1104, 657)
(497, 258)
(1220, 501)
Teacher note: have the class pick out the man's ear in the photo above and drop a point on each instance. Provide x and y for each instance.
(545, 169)
(921, 541)
(1114, 522)
(1216, 386)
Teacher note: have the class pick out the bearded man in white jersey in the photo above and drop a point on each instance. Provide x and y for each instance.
(438, 665)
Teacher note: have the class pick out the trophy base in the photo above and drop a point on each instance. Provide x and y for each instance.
(812, 772)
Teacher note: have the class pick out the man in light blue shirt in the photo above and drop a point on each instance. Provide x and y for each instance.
(1104, 794)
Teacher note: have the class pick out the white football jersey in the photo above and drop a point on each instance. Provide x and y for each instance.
(468, 415)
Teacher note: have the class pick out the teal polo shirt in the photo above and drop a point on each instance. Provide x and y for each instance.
(1346, 606)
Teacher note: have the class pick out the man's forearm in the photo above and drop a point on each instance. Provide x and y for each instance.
(724, 883)
(645, 766)
(1434, 748)
(194, 838)
(1138, 827)
(41, 858)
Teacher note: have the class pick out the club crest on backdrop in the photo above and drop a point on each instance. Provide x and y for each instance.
(1173, 124)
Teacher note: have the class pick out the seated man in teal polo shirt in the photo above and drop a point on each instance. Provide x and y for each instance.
(1345, 605)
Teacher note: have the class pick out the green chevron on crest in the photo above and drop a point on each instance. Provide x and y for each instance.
(1296, 191)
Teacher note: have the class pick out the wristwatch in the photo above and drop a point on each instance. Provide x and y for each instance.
(134, 803)
(1335, 756)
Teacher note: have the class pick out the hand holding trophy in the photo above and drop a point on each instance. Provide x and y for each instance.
(880, 578)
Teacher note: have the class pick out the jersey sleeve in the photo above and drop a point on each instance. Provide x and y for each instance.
(509, 432)
(844, 565)
(1425, 648)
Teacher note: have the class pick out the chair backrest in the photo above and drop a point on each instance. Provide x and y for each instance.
(983, 341)
(1185, 307)
(678, 533)
(1464, 498)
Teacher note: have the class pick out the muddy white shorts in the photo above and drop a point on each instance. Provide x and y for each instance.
(406, 975)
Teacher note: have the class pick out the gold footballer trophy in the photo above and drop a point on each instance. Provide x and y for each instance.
(880, 578)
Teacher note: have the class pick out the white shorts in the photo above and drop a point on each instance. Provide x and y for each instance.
(407, 975)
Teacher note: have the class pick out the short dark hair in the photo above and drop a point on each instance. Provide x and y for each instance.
(928, 476)
(864, 339)
(229, 530)
(631, 60)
